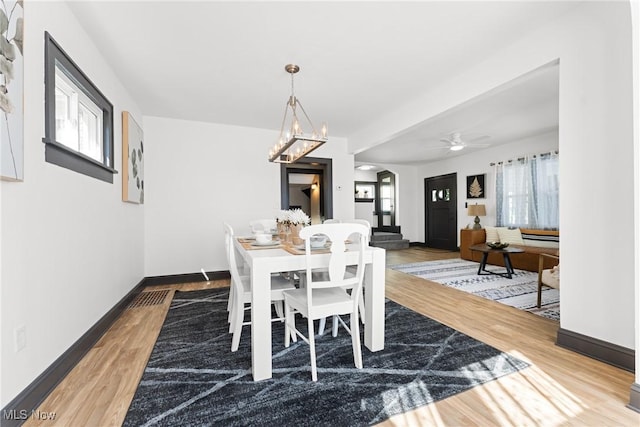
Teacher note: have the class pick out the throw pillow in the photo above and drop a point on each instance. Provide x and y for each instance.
(511, 236)
(541, 238)
(492, 234)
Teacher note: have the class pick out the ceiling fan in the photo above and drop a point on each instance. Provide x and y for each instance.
(456, 142)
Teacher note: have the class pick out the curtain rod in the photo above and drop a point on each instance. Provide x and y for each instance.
(522, 158)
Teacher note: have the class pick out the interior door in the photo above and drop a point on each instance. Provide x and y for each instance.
(386, 202)
(441, 219)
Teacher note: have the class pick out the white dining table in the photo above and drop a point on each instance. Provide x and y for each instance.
(262, 262)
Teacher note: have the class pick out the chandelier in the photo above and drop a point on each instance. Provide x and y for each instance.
(294, 143)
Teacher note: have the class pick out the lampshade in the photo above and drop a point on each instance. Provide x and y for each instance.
(298, 139)
(476, 210)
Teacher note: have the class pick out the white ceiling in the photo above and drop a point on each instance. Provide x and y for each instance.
(519, 109)
(223, 62)
(303, 178)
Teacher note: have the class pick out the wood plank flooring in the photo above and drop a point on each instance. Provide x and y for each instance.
(560, 388)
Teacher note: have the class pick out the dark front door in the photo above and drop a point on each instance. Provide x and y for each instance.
(386, 202)
(441, 219)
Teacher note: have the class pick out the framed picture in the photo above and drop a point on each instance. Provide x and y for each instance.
(475, 187)
(132, 160)
(11, 91)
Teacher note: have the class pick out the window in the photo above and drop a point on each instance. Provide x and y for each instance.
(365, 191)
(78, 118)
(527, 192)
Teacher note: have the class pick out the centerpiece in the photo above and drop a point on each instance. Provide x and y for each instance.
(290, 222)
(497, 245)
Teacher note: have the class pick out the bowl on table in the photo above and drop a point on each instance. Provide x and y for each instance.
(263, 238)
(497, 245)
(318, 241)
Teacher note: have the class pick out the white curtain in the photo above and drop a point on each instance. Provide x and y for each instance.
(527, 192)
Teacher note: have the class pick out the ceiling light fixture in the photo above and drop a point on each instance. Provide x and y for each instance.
(456, 147)
(365, 167)
(294, 143)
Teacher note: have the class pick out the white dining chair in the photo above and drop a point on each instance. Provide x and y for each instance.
(366, 224)
(263, 226)
(328, 295)
(240, 292)
(351, 270)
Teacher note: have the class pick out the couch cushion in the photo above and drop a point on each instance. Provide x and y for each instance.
(492, 234)
(511, 236)
(551, 277)
(541, 238)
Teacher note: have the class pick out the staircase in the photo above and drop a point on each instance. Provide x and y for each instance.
(388, 241)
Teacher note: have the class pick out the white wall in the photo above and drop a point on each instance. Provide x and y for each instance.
(593, 45)
(71, 249)
(199, 175)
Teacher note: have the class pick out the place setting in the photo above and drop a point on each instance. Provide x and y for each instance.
(260, 241)
(318, 243)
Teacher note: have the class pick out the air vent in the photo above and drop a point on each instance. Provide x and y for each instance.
(148, 299)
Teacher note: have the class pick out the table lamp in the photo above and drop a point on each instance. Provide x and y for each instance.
(477, 211)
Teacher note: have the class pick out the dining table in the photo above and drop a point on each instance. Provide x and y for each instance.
(263, 261)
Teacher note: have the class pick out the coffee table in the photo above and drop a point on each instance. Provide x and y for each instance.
(486, 250)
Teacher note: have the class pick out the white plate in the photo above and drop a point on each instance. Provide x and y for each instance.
(271, 243)
(325, 246)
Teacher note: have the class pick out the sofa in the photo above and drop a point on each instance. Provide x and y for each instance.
(532, 241)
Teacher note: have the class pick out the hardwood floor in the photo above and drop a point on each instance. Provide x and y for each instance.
(560, 388)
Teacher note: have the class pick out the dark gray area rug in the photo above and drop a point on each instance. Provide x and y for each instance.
(193, 378)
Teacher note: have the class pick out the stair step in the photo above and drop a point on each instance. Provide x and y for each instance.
(379, 236)
(391, 244)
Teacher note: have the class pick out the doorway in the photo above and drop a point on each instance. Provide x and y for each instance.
(386, 203)
(441, 214)
(307, 184)
(305, 190)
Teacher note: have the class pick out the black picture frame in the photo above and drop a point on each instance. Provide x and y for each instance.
(475, 186)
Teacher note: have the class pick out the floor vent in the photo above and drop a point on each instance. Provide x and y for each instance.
(147, 299)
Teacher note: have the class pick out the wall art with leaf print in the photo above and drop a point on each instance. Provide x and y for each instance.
(475, 187)
(132, 160)
(11, 91)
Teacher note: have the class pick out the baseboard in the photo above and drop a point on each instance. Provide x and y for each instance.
(21, 408)
(634, 397)
(185, 278)
(612, 354)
